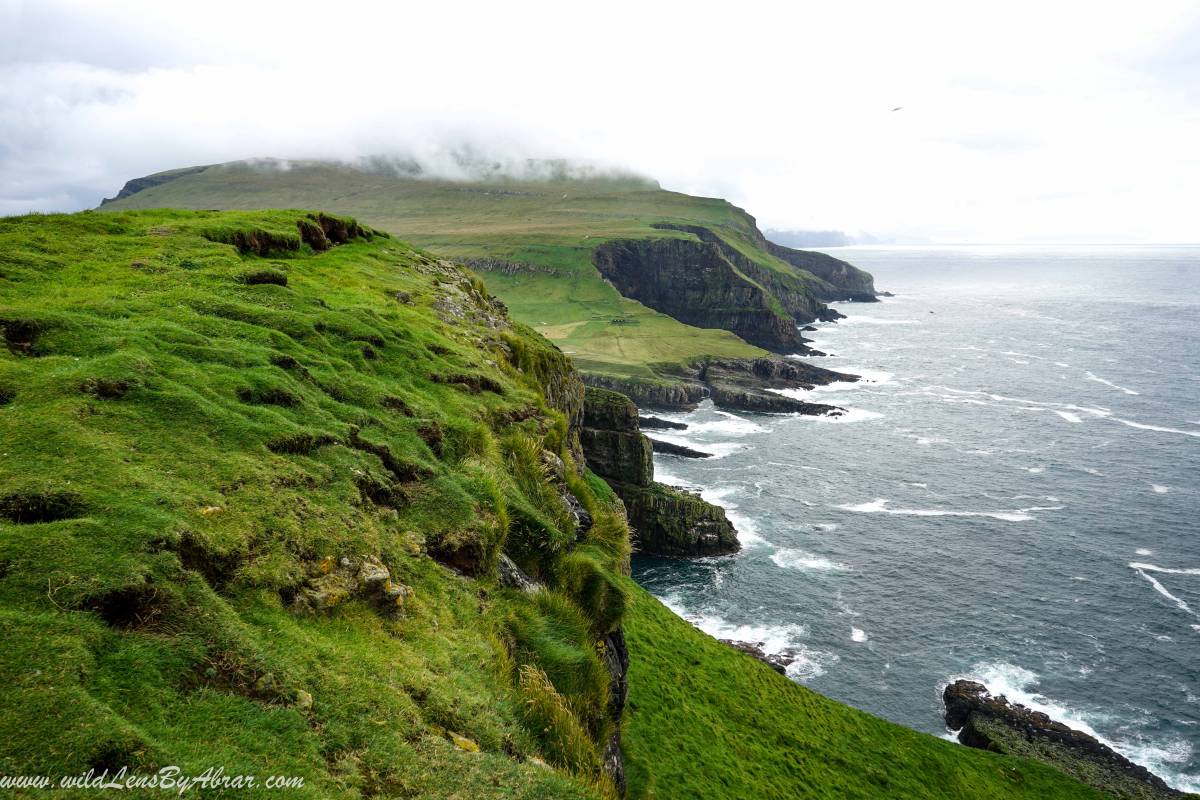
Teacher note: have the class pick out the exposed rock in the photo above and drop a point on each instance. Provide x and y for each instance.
(512, 576)
(663, 424)
(616, 660)
(698, 283)
(992, 723)
(333, 583)
(136, 185)
(612, 444)
(845, 281)
(672, 449)
(672, 522)
(737, 384)
(670, 393)
(776, 661)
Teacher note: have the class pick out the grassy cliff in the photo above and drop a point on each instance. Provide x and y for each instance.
(540, 243)
(262, 476)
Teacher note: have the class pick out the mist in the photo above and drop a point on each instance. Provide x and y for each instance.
(1018, 122)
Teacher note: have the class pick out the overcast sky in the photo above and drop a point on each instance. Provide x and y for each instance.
(1046, 121)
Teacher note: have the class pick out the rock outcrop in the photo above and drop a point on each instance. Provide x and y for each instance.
(711, 283)
(776, 661)
(672, 522)
(697, 283)
(613, 445)
(992, 723)
(733, 384)
(672, 449)
(661, 424)
(666, 521)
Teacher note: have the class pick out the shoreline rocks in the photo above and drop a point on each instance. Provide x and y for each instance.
(991, 722)
(776, 661)
(660, 424)
(672, 449)
(733, 384)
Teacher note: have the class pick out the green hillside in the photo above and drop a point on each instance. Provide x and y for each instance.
(535, 240)
(263, 476)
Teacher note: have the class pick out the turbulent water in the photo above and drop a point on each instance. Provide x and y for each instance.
(1013, 496)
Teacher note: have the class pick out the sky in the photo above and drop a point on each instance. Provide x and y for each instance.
(1017, 122)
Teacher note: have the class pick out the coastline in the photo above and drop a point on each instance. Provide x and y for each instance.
(784, 641)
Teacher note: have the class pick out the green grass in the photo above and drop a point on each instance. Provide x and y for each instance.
(705, 721)
(551, 227)
(184, 449)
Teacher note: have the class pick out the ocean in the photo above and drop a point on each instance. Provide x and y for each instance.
(1013, 496)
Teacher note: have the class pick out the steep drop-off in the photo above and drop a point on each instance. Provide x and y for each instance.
(664, 520)
(259, 472)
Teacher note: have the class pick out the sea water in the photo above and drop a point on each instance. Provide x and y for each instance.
(1013, 496)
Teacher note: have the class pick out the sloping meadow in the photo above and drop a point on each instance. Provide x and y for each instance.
(256, 472)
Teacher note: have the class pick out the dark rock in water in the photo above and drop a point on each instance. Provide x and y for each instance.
(672, 449)
(732, 383)
(663, 424)
(830, 315)
(992, 723)
(809, 328)
(775, 661)
(885, 294)
(672, 522)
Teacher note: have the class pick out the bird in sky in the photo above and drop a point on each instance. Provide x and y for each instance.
(897, 108)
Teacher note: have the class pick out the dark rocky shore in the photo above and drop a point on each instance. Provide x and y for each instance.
(733, 384)
(992, 723)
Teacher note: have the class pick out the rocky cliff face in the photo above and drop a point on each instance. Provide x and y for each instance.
(695, 282)
(666, 521)
(614, 447)
(992, 723)
(846, 282)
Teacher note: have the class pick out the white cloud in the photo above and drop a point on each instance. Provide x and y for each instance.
(1020, 122)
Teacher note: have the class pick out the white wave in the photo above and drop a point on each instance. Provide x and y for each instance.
(729, 424)
(1143, 426)
(858, 635)
(1019, 685)
(747, 529)
(856, 319)
(781, 640)
(1158, 488)
(1166, 570)
(867, 376)
(879, 506)
(1093, 377)
(825, 526)
(1158, 587)
(1068, 415)
(1141, 551)
(805, 561)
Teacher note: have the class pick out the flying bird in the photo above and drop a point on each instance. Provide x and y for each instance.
(897, 108)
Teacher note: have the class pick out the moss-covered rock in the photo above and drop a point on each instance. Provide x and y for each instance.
(670, 522)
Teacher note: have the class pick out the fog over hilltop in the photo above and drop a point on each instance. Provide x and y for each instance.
(930, 121)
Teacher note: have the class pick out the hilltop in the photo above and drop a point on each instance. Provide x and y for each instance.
(287, 496)
(635, 283)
